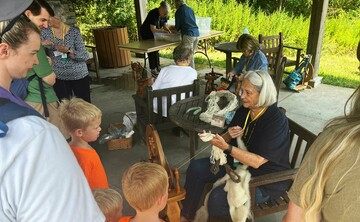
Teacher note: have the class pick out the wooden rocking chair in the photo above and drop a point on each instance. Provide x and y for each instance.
(156, 155)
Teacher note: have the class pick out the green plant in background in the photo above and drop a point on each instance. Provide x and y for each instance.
(342, 30)
(92, 14)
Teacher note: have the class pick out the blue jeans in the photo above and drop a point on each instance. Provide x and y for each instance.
(197, 176)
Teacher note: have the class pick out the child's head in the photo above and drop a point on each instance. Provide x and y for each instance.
(182, 54)
(145, 185)
(81, 118)
(110, 203)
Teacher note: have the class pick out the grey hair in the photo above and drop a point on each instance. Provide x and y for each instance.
(264, 84)
(179, 3)
(182, 53)
(19, 33)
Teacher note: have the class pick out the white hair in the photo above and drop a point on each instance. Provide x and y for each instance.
(264, 84)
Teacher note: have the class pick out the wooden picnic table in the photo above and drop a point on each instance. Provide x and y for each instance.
(188, 121)
(150, 45)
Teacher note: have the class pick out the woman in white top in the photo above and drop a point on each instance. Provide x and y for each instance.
(180, 74)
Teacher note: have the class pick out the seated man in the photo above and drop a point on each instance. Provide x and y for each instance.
(180, 74)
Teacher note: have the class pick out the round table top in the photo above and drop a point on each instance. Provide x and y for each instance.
(177, 114)
(227, 47)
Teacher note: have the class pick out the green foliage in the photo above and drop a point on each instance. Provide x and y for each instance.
(341, 35)
(92, 14)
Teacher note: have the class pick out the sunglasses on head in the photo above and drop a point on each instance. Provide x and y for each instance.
(12, 23)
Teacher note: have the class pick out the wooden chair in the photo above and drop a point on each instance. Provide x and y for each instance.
(94, 60)
(156, 155)
(274, 40)
(272, 47)
(301, 139)
(144, 105)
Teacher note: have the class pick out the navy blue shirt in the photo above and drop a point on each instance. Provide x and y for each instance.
(153, 18)
(185, 21)
(269, 137)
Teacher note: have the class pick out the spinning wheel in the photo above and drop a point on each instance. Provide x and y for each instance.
(156, 155)
(211, 77)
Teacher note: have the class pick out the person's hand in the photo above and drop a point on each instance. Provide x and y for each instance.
(240, 77)
(218, 141)
(62, 48)
(235, 131)
(49, 60)
(231, 74)
(47, 42)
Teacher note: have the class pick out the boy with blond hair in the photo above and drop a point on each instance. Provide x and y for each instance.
(110, 202)
(145, 187)
(82, 120)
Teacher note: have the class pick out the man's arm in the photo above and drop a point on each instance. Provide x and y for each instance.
(50, 79)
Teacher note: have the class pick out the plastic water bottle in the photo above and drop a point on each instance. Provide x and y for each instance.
(245, 31)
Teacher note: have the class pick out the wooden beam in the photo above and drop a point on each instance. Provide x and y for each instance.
(141, 12)
(316, 32)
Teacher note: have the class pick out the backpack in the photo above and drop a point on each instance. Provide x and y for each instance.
(19, 87)
(10, 111)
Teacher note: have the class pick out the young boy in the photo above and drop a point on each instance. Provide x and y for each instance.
(83, 120)
(145, 187)
(110, 202)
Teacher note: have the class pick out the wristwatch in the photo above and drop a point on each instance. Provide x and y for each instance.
(229, 150)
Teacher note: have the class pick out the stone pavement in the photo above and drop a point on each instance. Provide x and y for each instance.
(312, 108)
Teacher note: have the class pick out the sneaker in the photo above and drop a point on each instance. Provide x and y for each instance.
(154, 73)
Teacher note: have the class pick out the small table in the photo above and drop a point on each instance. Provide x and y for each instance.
(228, 48)
(188, 121)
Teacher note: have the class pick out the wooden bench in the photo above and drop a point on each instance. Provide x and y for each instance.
(301, 139)
(144, 105)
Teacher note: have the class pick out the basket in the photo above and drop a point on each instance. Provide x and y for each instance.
(122, 143)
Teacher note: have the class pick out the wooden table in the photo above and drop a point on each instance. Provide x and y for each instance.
(192, 123)
(228, 48)
(150, 45)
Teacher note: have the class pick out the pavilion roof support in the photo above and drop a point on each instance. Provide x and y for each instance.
(140, 10)
(316, 33)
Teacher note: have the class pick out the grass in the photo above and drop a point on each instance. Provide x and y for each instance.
(337, 70)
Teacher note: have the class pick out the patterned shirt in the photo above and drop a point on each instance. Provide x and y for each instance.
(74, 67)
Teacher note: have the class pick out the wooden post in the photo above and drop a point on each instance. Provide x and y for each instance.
(316, 34)
(140, 11)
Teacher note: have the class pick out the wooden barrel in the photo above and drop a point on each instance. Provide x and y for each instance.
(107, 40)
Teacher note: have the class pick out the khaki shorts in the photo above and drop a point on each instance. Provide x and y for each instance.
(54, 116)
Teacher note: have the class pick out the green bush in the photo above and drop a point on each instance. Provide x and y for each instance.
(92, 14)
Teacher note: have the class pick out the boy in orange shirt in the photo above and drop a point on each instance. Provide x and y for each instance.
(83, 120)
(145, 187)
(110, 202)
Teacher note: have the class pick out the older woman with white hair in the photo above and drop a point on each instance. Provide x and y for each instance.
(265, 132)
(69, 55)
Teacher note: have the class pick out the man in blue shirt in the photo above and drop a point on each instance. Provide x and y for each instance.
(185, 22)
